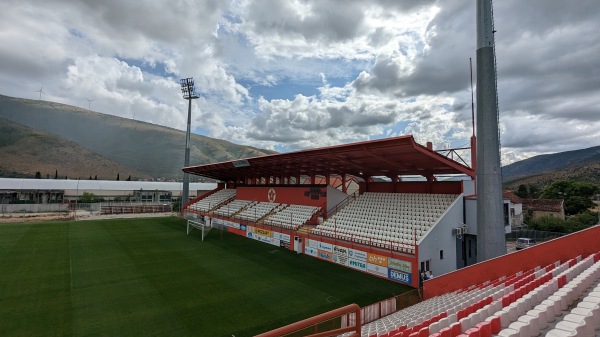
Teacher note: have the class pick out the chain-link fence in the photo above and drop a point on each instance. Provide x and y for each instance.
(538, 236)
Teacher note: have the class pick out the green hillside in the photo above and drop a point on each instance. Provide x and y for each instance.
(25, 151)
(152, 149)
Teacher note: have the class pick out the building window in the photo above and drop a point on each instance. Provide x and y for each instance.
(469, 248)
(425, 265)
(441, 254)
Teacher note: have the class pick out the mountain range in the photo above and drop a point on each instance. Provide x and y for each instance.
(582, 165)
(58, 139)
(46, 137)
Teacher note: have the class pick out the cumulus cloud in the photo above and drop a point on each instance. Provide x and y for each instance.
(297, 74)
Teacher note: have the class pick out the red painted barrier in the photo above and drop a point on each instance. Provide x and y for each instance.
(582, 243)
(352, 308)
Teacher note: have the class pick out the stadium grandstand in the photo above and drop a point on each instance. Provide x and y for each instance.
(380, 207)
(359, 205)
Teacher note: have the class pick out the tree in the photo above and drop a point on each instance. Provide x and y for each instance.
(549, 224)
(88, 198)
(534, 192)
(117, 176)
(96, 177)
(577, 195)
(129, 178)
(577, 204)
(582, 220)
(38, 175)
(522, 191)
(56, 174)
(90, 177)
(47, 175)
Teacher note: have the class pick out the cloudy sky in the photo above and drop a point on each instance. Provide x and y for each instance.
(288, 75)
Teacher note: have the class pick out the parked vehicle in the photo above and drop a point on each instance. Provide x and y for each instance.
(524, 243)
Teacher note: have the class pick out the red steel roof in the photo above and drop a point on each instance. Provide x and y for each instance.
(385, 157)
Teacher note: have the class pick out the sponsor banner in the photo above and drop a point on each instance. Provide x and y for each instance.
(226, 223)
(328, 247)
(377, 270)
(312, 243)
(378, 260)
(400, 265)
(399, 276)
(250, 229)
(275, 242)
(284, 237)
(357, 264)
(311, 251)
(243, 227)
(263, 232)
(340, 255)
(249, 235)
(357, 255)
(262, 238)
(325, 255)
(281, 236)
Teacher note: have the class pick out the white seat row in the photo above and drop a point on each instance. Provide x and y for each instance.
(562, 299)
(292, 216)
(213, 200)
(257, 211)
(233, 207)
(385, 219)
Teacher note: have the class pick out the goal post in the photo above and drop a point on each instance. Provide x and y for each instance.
(204, 228)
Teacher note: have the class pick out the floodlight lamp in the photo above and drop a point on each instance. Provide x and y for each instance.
(187, 88)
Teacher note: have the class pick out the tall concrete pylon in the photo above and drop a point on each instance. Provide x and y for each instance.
(491, 240)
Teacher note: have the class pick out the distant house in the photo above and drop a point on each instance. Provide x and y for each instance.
(537, 208)
(513, 208)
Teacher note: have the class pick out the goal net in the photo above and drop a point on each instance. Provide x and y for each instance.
(204, 228)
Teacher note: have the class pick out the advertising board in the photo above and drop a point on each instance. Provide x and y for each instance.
(377, 270)
(311, 251)
(340, 255)
(226, 223)
(400, 265)
(281, 236)
(325, 255)
(378, 260)
(357, 264)
(399, 276)
(328, 247)
(357, 254)
(263, 232)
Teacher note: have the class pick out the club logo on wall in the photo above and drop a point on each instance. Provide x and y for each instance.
(315, 193)
(271, 195)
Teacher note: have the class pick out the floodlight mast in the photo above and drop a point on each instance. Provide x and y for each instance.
(187, 89)
(490, 216)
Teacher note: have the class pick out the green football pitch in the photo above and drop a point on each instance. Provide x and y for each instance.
(146, 277)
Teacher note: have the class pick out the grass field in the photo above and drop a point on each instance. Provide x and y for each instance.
(145, 277)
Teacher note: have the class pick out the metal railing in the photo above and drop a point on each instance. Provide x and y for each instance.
(538, 236)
